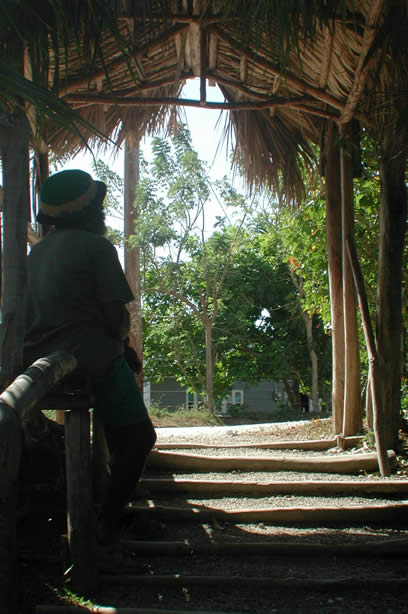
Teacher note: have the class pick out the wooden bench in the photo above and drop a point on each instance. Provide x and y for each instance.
(74, 396)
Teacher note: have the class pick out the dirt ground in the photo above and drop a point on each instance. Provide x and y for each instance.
(301, 569)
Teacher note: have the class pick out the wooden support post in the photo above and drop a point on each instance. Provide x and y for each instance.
(352, 414)
(100, 459)
(132, 254)
(334, 250)
(10, 452)
(80, 512)
(14, 145)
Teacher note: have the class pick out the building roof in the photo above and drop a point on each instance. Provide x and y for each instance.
(283, 68)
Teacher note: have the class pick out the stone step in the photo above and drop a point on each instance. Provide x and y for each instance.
(389, 514)
(266, 582)
(381, 548)
(336, 463)
(249, 487)
(310, 444)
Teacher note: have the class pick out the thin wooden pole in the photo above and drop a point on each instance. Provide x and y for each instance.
(132, 255)
(334, 251)
(80, 513)
(352, 415)
(375, 370)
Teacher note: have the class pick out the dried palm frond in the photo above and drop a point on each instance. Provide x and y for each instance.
(270, 153)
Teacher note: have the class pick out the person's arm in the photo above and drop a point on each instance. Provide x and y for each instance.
(117, 319)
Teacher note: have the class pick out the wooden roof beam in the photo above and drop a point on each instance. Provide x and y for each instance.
(132, 101)
(361, 73)
(203, 65)
(212, 57)
(180, 40)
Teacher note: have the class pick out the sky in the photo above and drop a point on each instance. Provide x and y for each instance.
(206, 127)
(206, 136)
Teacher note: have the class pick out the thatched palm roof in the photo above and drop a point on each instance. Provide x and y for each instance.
(284, 71)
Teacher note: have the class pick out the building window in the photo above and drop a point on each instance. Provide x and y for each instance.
(237, 397)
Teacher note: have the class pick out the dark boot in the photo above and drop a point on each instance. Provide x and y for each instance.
(129, 446)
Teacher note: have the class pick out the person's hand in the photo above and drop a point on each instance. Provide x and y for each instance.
(132, 359)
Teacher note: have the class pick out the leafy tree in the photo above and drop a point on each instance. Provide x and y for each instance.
(113, 202)
(179, 262)
(258, 333)
(275, 344)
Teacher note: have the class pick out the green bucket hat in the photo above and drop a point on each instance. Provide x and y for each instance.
(68, 196)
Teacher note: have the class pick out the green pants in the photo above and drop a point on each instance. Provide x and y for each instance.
(118, 399)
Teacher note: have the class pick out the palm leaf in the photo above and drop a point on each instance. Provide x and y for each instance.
(17, 91)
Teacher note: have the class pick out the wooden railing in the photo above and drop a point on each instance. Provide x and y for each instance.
(17, 403)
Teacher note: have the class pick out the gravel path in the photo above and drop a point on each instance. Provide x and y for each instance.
(289, 583)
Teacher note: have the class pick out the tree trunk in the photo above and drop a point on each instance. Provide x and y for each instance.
(132, 254)
(352, 413)
(393, 216)
(315, 367)
(209, 365)
(334, 248)
(14, 151)
(308, 322)
(313, 359)
(404, 352)
(292, 391)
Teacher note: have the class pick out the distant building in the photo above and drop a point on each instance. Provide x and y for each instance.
(262, 398)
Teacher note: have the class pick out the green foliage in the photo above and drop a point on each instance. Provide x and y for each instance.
(183, 269)
(235, 282)
(113, 202)
(267, 337)
(162, 416)
(404, 397)
(115, 187)
(302, 236)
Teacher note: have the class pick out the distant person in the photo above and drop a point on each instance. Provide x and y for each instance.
(76, 301)
(304, 403)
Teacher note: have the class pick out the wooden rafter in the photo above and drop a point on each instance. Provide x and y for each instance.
(326, 58)
(212, 55)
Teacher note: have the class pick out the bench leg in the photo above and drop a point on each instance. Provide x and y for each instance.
(80, 510)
